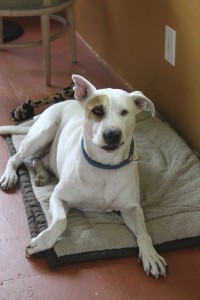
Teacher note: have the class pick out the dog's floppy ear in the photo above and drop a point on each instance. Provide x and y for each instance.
(142, 103)
(83, 88)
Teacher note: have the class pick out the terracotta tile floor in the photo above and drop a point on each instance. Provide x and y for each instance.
(21, 77)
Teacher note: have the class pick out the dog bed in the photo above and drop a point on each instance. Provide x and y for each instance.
(170, 196)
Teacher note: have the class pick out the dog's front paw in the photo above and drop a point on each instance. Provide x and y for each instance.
(8, 180)
(153, 264)
(40, 243)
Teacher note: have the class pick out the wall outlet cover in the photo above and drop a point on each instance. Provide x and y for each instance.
(170, 45)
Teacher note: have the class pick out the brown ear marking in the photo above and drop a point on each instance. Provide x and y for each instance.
(97, 107)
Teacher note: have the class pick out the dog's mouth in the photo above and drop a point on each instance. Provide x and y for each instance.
(111, 147)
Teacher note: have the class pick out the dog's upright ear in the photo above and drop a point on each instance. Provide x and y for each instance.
(142, 102)
(83, 88)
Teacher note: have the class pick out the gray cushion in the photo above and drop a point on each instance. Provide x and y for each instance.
(29, 4)
(169, 184)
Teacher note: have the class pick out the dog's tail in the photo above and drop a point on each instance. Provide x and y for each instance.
(23, 128)
(12, 129)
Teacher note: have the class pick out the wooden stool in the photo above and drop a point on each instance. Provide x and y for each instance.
(46, 9)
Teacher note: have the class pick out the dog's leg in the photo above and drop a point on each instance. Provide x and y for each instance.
(33, 142)
(153, 263)
(47, 238)
(9, 178)
(42, 175)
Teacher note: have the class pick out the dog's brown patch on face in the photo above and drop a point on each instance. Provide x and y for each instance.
(97, 108)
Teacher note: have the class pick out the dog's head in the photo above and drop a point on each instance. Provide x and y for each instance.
(109, 114)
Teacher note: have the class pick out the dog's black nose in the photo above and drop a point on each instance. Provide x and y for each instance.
(112, 136)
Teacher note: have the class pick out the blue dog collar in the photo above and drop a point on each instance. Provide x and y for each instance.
(99, 165)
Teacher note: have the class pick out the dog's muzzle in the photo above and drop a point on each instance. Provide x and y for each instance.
(112, 138)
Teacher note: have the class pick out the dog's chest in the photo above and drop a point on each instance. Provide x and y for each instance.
(91, 189)
(101, 193)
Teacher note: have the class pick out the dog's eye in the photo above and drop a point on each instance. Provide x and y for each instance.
(124, 112)
(98, 111)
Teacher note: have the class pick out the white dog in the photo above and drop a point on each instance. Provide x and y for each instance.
(88, 144)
